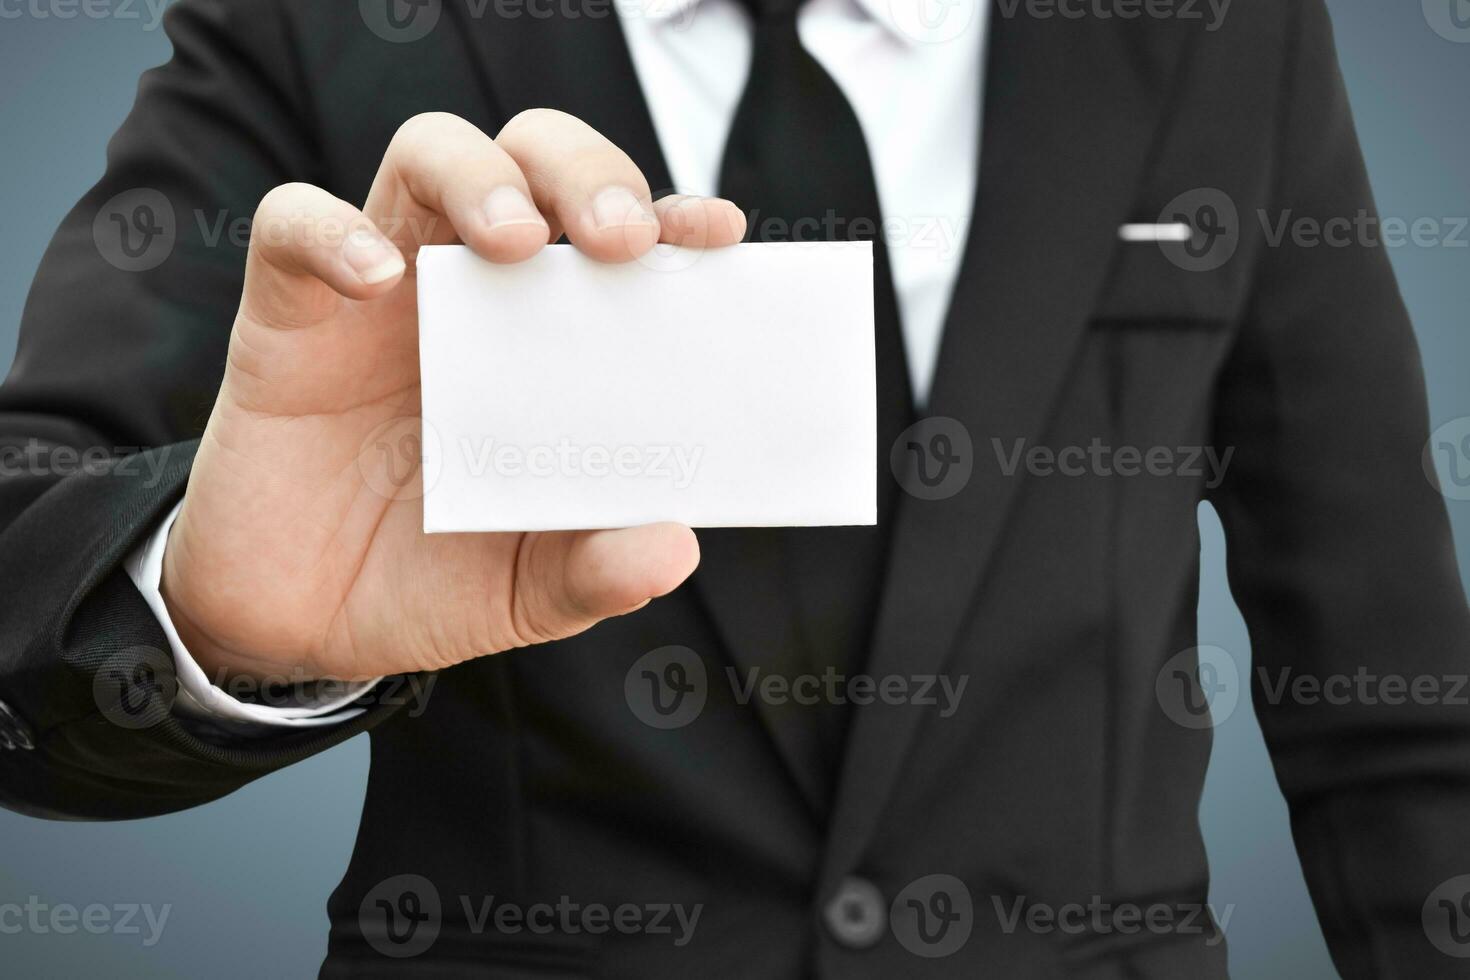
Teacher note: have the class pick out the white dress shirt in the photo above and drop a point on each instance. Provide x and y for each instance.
(912, 71)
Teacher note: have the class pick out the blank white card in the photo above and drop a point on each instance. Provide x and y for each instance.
(725, 388)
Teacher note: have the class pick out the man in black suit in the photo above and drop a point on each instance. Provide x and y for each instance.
(870, 833)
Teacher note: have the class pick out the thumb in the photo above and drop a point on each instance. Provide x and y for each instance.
(307, 250)
(569, 581)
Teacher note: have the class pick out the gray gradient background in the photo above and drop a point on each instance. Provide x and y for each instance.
(248, 877)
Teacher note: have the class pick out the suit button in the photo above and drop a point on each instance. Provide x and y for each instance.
(14, 733)
(856, 915)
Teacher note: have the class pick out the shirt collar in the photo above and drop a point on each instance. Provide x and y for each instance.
(656, 11)
(901, 18)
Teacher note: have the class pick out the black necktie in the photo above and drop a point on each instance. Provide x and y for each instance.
(797, 162)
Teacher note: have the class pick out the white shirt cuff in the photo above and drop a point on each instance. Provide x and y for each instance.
(197, 697)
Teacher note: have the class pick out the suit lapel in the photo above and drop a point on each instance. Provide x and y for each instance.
(744, 581)
(582, 66)
(1069, 116)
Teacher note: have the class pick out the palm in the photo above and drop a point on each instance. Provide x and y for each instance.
(316, 514)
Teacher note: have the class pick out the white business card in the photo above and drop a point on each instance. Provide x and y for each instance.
(724, 388)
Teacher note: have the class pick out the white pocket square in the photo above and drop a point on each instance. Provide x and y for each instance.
(1170, 231)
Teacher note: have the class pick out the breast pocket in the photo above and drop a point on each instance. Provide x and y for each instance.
(1165, 282)
(1159, 332)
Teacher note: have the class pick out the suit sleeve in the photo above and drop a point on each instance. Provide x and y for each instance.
(121, 352)
(1341, 558)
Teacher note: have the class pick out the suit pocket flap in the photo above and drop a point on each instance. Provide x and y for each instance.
(1161, 282)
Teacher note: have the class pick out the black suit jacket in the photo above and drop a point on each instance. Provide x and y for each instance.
(1063, 777)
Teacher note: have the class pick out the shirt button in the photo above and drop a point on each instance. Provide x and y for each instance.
(856, 915)
(14, 733)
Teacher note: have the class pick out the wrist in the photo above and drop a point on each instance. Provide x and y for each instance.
(179, 590)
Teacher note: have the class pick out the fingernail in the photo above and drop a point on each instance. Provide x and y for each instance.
(506, 206)
(372, 256)
(618, 207)
(739, 225)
